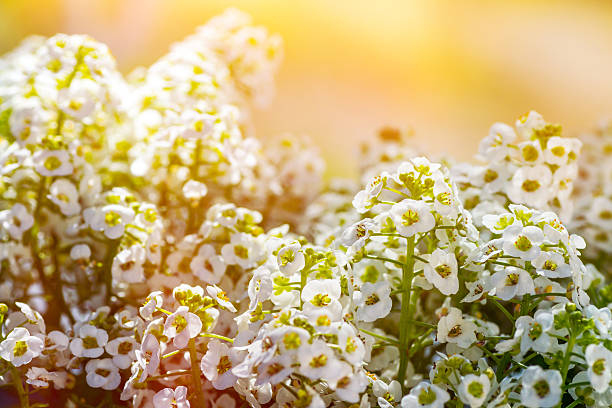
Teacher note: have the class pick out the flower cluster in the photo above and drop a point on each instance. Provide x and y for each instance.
(532, 165)
(154, 253)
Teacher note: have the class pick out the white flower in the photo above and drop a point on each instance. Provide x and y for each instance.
(128, 265)
(243, 250)
(453, 328)
(602, 318)
(559, 150)
(169, 398)
(40, 377)
(323, 294)
(541, 388)
(56, 340)
(207, 265)
(217, 365)
(221, 297)
(523, 242)
(425, 395)
(552, 265)
(275, 369)
(148, 356)
(20, 347)
(412, 217)
(103, 374)
(529, 122)
(194, 190)
(260, 287)
(367, 198)
(383, 391)
(26, 317)
(79, 100)
(80, 251)
(65, 195)
(494, 147)
(111, 219)
(512, 282)
(350, 344)
(600, 212)
(289, 339)
(599, 361)
(531, 186)
(290, 259)
(441, 271)
(497, 224)
(123, 350)
(446, 201)
(535, 331)
(153, 301)
(90, 342)
(53, 163)
(16, 221)
(355, 236)
(350, 384)
(318, 361)
(373, 301)
(181, 326)
(530, 152)
(473, 389)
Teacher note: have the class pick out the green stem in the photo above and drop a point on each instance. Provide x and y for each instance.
(168, 375)
(217, 336)
(380, 258)
(503, 309)
(107, 267)
(380, 336)
(567, 357)
(24, 399)
(405, 326)
(195, 374)
(577, 384)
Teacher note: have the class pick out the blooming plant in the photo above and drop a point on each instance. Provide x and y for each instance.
(153, 253)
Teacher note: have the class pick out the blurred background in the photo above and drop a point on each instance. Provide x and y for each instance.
(448, 69)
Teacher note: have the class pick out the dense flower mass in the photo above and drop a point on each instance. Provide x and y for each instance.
(154, 253)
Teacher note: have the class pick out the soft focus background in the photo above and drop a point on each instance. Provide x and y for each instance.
(448, 69)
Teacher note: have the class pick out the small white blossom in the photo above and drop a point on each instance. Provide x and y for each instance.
(65, 195)
(221, 297)
(473, 389)
(290, 259)
(512, 282)
(599, 361)
(207, 265)
(90, 342)
(20, 347)
(412, 217)
(102, 373)
(441, 271)
(194, 190)
(373, 301)
(453, 328)
(53, 163)
(171, 398)
(16, 221)
(541, 388)
(425, 395)
(181, 326)
(217, 365)
(123, 350)
(110, 219)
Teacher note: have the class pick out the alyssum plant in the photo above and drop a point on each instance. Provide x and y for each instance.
(154, 253)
